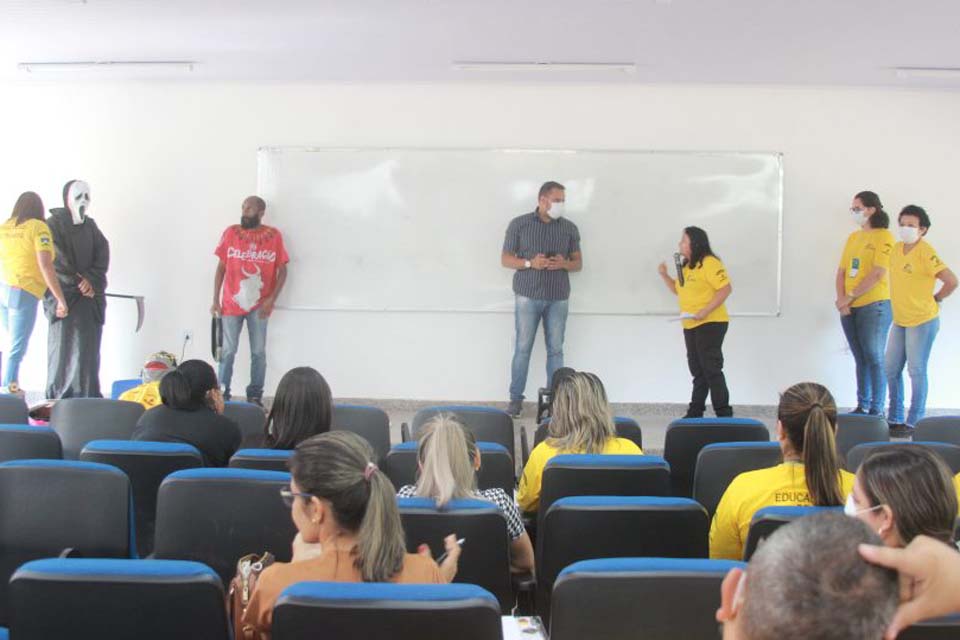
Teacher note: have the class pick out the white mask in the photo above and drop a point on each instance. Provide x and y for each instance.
(858, 218)
(78, 201)
(909, 235)
(556, 209)
(850, 507)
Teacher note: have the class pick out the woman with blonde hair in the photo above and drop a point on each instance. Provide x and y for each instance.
(348, 527)
(810, 474)
(582, 422)
(449, 460)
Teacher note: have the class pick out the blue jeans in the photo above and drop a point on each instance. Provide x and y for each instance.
(18, 314)
(909, 346)
(866, 330)
(527, 315)
(257, 330)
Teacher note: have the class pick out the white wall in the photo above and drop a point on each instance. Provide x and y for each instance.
(169, 165)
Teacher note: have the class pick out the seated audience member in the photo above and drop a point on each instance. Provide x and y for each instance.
(810, 473)
(582, 422)
(808, 580)
(545, 402)
(932, 571)
(302, 408)
(192, 412)
(448, 460)
(348, 526)
(148, 393)
(902, 492)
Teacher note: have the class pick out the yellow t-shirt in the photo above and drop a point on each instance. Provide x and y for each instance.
(781, 486)
(19, 245)
(912, 279)
(528, 495)
(146, 394)
(699, 287)
(866, 249)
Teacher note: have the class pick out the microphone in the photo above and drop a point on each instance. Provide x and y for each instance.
(678, 263)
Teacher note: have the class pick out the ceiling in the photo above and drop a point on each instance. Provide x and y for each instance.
(803, 42)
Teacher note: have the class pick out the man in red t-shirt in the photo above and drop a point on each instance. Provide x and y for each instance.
(251, 273)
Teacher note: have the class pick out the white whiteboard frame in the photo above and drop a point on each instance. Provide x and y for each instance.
(743, 314)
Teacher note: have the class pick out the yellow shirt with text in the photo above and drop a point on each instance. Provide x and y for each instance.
(146, 394)
(699, 287)
(866, 249)
(781, 486)
(912, 279)
(528, 495)
(19, 244)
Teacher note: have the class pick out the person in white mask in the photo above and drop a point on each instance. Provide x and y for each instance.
(81, 263)
(542, 247)
(863, 298)
(914, 269)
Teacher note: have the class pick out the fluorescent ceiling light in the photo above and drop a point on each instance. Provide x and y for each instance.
(942, 73)
(622, 67)
(138, 66)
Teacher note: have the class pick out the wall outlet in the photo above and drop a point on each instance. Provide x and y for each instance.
(187, 335)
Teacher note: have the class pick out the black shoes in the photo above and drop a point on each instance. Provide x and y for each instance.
(515, 408)
(900, 430)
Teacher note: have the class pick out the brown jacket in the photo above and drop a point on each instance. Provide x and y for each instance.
(329, 566)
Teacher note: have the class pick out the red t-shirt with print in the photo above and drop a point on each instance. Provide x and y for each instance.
(251, 258)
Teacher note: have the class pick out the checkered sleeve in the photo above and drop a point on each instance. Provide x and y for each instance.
(509, 509)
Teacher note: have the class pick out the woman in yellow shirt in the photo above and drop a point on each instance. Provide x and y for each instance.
(582, 422)
(863, 298)
(702, 288)
(810, 474)
(914, 269)
(26, 258)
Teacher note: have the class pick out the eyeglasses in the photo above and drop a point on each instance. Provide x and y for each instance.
(288, 496)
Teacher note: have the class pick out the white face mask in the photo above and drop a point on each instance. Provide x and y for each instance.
(850, 507)
(909, 235)
(858, 217)
(78, 201)
(556, 209)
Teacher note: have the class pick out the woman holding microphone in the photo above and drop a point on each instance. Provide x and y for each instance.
(914, 269)
(702, 287)
(863, 298)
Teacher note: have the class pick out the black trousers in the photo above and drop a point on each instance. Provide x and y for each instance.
(705, 359)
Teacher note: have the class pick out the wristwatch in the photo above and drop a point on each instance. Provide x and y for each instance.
(527, 264)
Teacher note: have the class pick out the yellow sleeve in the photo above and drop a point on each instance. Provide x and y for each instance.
(933, 262)
(725, 542)
(131, 395)
(881, 256)
(716, 273)
(528, 495)
(42, 240)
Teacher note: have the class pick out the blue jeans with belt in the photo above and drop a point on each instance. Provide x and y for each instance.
(527, 315)
(18, 314)
(909, 346)
(257, 330)
(866, 329)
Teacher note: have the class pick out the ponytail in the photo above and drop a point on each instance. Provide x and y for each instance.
(880, 218)
(338, 467)
(821, 463)
(446, 452)
(808, 414)
(381, 544)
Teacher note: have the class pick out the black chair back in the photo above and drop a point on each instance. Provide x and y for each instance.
(146, 464)
(769, 519)
(370, 423)
(251, 419)
(485, 560)
(92, 599)
(217, 516)
(79, 420)
(13, 409)
(939, 429)
(950, 453)
(23, 442)
(854, 429)
(686, 437)
(263, 459)
(485, 423)
(496, 466)
(718, 464)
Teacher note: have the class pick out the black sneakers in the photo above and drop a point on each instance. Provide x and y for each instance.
(900, 430)
(515, 408)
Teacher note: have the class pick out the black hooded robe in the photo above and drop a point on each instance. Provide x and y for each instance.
(73, 343)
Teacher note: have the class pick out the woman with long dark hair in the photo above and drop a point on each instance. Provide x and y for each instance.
(863, 298)
(702, 290)
(26, 258)
(302, 408)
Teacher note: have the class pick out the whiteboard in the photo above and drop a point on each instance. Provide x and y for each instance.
(423, 229)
